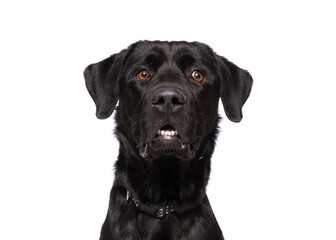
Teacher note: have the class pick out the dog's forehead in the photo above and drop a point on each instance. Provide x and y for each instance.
(172, 51)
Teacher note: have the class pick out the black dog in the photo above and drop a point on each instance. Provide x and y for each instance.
(167, 120)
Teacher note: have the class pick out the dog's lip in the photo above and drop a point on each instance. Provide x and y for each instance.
(190, 149)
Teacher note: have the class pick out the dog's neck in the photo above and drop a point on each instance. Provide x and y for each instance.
(166, 180)
(163, 180)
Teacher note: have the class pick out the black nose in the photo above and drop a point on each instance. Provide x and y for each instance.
(168, 98)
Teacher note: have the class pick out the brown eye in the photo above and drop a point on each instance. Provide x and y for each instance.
(197, 76)
(143, 75)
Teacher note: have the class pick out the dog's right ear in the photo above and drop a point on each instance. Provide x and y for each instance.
(236, 86)
(102, 82)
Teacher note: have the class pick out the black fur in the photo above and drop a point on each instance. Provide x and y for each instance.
(160, 171)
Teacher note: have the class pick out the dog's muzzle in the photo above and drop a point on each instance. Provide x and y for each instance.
(168, 107)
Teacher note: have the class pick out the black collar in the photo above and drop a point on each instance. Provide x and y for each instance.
(156, 211)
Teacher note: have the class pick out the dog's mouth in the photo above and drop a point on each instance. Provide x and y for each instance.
(168, 142)
(167, 132)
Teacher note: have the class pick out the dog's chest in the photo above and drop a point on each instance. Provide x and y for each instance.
(175, 228)
(164, 229)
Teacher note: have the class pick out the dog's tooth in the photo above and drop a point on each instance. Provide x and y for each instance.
(162, 133)
(176, 133)
(167, 133)
(172, 133)
(159, 132)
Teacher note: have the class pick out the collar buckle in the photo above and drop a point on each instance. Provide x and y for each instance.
(162, 212)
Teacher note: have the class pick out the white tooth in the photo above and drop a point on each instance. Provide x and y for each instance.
(159, 132)
(172, 133)
(162, 132)
(176, 133)
(167, 133)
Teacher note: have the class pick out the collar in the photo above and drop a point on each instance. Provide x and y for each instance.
(156, 211)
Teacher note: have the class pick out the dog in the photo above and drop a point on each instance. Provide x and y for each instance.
(167, 124)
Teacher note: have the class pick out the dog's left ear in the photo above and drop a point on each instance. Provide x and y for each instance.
(236, 84)
(102, 82)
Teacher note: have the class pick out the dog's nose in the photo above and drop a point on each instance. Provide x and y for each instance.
(168, 98)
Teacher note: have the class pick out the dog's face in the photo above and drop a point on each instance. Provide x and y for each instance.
(168, 95)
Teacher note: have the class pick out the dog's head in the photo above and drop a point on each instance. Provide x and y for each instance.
(168, 95)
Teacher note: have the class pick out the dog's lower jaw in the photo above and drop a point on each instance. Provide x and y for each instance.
(188, 149)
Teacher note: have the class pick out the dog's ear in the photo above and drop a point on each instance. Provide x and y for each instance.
(236, 84)
(102, 82)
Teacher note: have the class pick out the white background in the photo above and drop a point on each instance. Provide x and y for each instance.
(273, 174)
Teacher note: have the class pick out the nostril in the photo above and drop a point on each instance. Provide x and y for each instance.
(177, 101)
(158, 101)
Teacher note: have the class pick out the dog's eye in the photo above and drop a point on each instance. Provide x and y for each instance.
(197, 76)
(143, 75)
